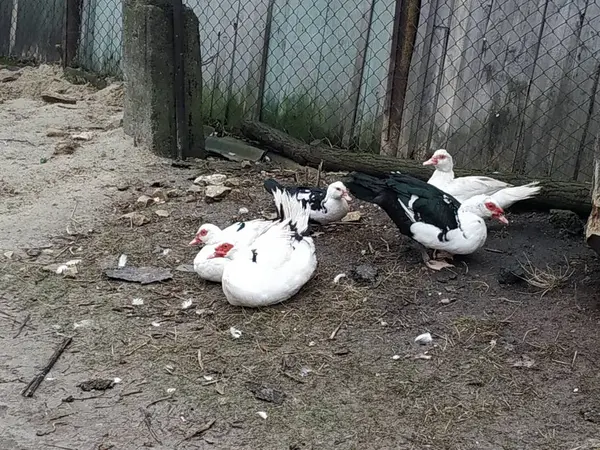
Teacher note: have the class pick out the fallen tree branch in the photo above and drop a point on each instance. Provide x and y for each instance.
(37, 380)
(571, 195)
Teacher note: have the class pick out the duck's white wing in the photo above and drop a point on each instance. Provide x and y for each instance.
(246, 232)
(464, 188)
(274, 246)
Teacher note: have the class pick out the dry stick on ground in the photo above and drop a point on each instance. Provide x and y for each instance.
(200, 431)
(25, 320)
(37, 380)
(554, 195)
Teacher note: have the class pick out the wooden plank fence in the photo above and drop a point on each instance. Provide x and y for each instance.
(503, 84)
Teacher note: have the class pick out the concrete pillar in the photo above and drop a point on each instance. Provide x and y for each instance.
(148, 71)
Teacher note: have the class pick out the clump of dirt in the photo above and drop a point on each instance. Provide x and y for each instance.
(111, 95)
(33, 81)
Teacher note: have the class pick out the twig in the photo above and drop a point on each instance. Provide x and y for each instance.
(37, 380)
(292, 377)
(335, 332)
(574, 358)
(319, 173)
(22, 141)
(148, 424)
(200, 360)
(162, 399)
(25, 320)
(137, 348)
(200, 431)
(125, 394)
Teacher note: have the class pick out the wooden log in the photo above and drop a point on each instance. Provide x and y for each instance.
(592, 233)
(571, 195)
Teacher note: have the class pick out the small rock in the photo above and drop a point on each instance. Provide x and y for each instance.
(233, 182)
(246, 164)
(137, 301)
(211, 180)
(194, 189)
(159, 196)
(524, 361)
(270, 216)
(215, 193)
(174, 193)
(142, 275)
(511, 275)
(96, 385)
(85, 136)
(66, 147)
(185, 268)
(235, 333)
(122, 186)
(424, 339)
(53, 97)
(265, 393)
(365, 273)
(262, 414)
(136, 218)
(243, 211)
(145, 201)
(53, 132)
(566, 220)
(162, 213)
(7, 78)
(446, 301)
(352, 216)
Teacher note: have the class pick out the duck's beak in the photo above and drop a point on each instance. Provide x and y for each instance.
(346, 196)
(431, 162)
(195, 241)
(502, 218)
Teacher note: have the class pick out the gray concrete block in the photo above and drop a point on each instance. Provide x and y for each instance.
(148, 72)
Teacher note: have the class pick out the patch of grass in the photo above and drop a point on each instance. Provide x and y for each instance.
(546, 279)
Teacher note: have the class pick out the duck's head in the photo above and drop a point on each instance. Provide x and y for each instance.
(486, 208)
(207, 234)
(441, 159)
(337, 191)
(224, 250)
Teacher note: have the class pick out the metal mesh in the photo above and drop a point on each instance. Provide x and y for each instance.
(503, 85)
(506, 86)
(32, 30)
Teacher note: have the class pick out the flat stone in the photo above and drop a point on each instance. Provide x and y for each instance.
(216, 193)
(365, 273)
(233, 149)
(214, 179)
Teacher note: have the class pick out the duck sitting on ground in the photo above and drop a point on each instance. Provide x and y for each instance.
(276, 265)
(325, 205)
(210, 235)
(430, 217)
(463, 188)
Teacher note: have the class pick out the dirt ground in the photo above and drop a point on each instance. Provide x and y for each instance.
(508, 368)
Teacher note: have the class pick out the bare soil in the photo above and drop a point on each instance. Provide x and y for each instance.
(510, 366)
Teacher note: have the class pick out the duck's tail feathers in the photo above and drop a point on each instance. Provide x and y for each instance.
(271, 185)
(294, 210)
(509, 196)
(365, 187)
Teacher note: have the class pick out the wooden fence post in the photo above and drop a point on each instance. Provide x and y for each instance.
(592, 233)
(72, 31)
(406, 23)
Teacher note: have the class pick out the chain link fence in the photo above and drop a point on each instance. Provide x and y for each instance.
(503, 85)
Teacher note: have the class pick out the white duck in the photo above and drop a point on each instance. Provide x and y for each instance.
(429, 216)
(276, 265)
(463, 188)
(325, 205)
(210, 235)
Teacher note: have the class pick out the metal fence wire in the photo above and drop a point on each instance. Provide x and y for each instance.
(503, 85)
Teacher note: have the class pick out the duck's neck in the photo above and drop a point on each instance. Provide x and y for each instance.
(442, 176)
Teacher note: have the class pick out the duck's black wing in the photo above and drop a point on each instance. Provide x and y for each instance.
(309, 196)
(428, 203)
(407, 200)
